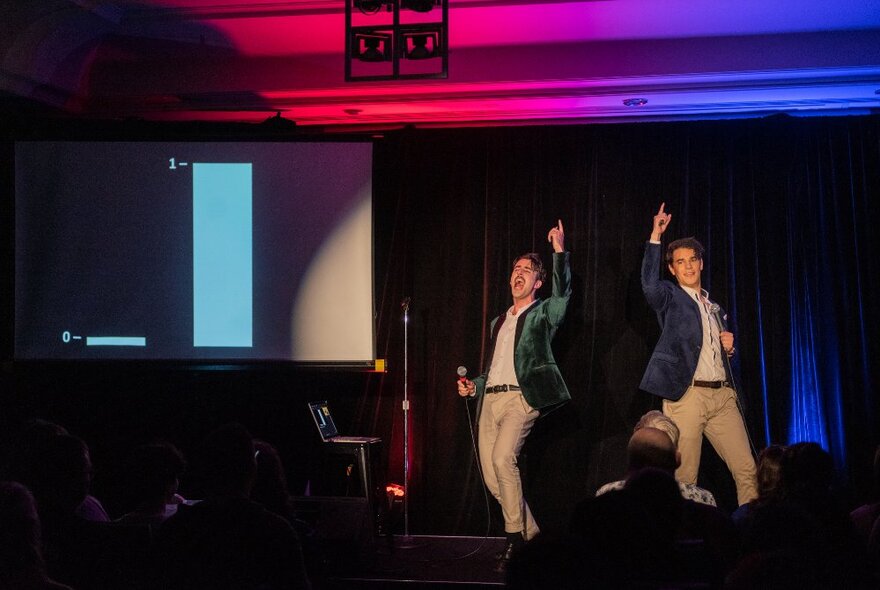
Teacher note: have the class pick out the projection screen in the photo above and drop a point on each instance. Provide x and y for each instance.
(194, 251)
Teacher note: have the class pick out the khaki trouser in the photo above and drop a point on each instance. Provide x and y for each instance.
(505, 422)
(713, 412)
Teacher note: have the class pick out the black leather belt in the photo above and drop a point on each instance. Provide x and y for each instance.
(711, 384)
(501, 388)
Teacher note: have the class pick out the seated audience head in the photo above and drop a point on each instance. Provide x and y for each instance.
(29, 449)
(225, 462)
(660, 421)
(865, 517)
(21, 555)
(807, 472)
(60, 476)
(270, 486)
(770, 471)
(651, 447)
(28, 446)
(19, 530)
(152, 474)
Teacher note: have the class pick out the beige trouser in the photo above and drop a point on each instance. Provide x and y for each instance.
(713, 412)
(505, 422)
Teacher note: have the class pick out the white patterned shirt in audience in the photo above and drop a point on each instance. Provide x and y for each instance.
(689, 491)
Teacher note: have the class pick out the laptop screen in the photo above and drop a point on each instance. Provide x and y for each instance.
(323, 419)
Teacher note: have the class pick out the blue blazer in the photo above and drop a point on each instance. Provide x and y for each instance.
(671, 369)
(536, 369)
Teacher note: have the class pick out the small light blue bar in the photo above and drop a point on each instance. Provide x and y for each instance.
(116, 341)
(222, 255)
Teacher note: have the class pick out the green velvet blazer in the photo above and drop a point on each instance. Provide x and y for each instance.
(539, 377)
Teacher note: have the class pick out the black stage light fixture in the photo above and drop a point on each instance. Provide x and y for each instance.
(369, 6)
(372, 47)
(419, 5)
(381, 43)
(421, 45)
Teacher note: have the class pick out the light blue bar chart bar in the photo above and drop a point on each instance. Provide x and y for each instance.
(116, 341)
(222, 255)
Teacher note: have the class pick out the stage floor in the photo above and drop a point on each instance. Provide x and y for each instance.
(421, 562)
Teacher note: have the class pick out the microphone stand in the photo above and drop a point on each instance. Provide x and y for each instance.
(406, 542)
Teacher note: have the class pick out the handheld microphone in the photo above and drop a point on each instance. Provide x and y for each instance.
(405, 303)
(715, 310)
(462, 374)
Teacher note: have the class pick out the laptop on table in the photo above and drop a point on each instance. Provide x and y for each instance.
(327, 427)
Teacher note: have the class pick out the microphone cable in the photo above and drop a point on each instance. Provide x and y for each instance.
(715, 311)
(485, 537)
(476, 461)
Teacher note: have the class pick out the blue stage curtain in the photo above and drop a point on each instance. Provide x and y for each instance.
(812, 237)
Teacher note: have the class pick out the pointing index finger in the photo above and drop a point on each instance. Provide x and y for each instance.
(660, 211)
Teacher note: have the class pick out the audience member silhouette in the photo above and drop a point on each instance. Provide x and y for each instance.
(769, 475)
(620, 544)
(270, 484)
(645, 533)
(803, 530)
(873, 550)
(59, 475)
(650, 532)
(29, 446)
(21, 555)
(270, 489)
(613, 542)
(636, 537)
(705, 539)
(865, 516)
(152, 476)
(82, 553)
(228, 541)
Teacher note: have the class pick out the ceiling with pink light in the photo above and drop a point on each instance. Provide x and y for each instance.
(510, 61)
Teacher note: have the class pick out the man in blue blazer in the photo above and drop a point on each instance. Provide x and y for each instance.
(521, 381)
(687, 368)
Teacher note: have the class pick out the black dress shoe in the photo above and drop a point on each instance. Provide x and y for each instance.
(514, 542)
(504, 557)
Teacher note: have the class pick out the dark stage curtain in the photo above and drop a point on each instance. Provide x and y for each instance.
(787, 209)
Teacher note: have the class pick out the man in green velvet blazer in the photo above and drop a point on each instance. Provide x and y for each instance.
(521, 382)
